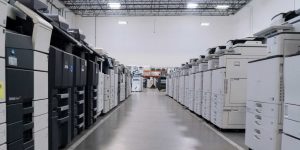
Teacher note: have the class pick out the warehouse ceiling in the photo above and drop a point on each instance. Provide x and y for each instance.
(155, 7)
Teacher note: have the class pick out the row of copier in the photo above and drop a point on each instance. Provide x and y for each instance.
(250, 83)
(53, 85)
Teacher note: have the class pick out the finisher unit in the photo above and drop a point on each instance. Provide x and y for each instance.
(207, 75)
(265, 86)
(229, 82)
(198, 88)
(26, 61)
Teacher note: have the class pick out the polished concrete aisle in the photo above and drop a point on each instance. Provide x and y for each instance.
(152, 121)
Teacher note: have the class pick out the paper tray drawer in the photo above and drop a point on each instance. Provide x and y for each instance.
(41, 139)
(40, 122)
(291, 127)
(290, 143)
(40, 107)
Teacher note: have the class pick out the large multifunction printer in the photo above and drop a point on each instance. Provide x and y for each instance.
(198, 87)
(202, 68)
(3, 123)
(107, 69)
(192, 70)
(229, 81)
(266, 86)
(116, 84)
(100, 93)
(185, 72)
(181, 85)
(176, 88)
(212, 60)
(128, 82)
(122, 79)
(27, 44)
(170, 83)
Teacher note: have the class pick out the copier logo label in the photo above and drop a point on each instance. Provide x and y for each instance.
(66, 66)
(14, 98)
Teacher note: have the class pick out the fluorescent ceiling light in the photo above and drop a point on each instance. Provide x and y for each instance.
(114, 5)
(192, 5)
(222, 6)
(122, 22)
(205, 24)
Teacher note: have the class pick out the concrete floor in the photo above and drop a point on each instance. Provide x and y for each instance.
(152, 121)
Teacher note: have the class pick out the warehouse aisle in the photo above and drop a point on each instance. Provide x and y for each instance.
(152, 121)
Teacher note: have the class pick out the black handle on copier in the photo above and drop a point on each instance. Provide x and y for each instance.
(63, 120)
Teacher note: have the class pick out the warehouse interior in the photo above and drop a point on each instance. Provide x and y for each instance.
(149, 74)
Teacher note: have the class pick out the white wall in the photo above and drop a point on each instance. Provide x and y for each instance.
(258, 13)
(156, 41)
(176, 39)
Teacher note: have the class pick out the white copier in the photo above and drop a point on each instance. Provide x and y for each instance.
(265, 85)
(168, 78)
(181, 91)
(186, 84)
(107, 95)
(137, 83)
(291, 121)
(176, 83)
(202, 67)
(192, 75)
(212, 60)
(198, 87)
(171, 88)
(3, 125)
(229, 79)
(116, 82)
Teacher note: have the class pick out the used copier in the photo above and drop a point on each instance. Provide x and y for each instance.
(181, 91)
(186, 84)
(229, 80)
(202, 68)
(212, 60)
(192, 70)
(198, 87)
(266, 86)
(26, 53)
